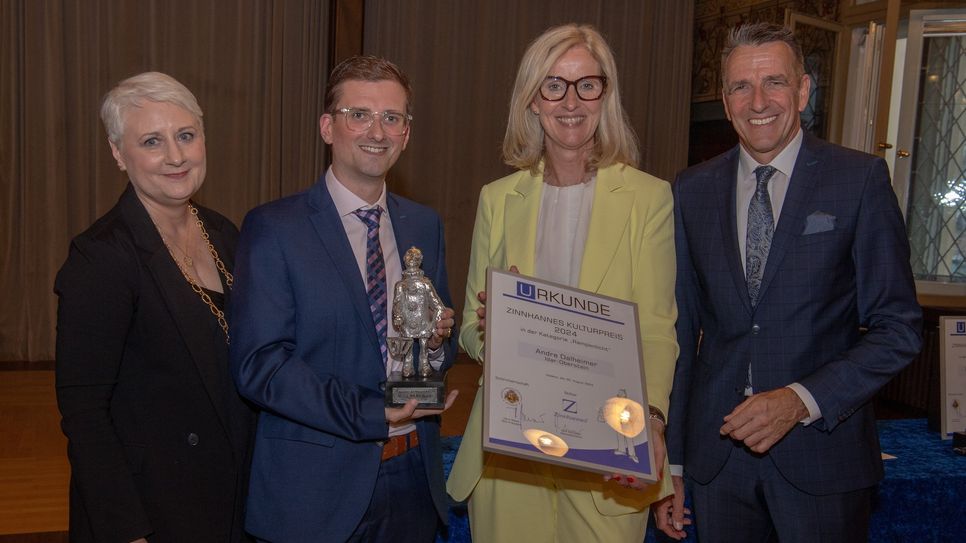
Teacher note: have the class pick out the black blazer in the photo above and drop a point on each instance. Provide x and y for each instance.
(159, 439)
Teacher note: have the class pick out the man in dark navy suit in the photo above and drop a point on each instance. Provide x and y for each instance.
(797, 303)
(310, 314)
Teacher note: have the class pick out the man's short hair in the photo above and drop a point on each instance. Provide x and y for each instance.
(756, 34)
(365, 68)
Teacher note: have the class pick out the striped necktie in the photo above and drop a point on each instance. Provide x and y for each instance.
(375, 274)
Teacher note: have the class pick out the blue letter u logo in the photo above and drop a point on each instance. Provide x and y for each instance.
(526, 290)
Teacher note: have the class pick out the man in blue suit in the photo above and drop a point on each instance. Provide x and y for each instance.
(796, 304)
(310, 313)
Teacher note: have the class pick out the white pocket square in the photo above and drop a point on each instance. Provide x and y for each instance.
(817, 222)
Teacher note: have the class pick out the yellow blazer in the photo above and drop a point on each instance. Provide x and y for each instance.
(629, 254)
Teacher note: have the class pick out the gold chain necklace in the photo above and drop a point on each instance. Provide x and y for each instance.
(229, 278)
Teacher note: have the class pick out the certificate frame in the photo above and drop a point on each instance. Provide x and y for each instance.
(564, 380)
(952, 375)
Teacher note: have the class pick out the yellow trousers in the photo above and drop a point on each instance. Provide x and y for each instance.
(520, 500)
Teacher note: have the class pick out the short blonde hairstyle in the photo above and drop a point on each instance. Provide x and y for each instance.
(523, 145)
(133, 91)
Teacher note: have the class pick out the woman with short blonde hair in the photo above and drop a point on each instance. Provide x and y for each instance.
(158, 437)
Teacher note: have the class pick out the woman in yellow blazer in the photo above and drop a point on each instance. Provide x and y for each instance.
(577, 213)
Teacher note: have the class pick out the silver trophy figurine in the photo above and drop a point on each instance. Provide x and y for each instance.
(415, 309)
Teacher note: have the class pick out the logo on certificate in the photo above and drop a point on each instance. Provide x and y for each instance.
(960, 325)
(527, 290)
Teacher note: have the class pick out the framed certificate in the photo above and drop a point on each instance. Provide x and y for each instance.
(952, 375)
(563, 377)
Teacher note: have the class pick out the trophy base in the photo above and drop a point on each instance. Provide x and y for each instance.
(429, 391)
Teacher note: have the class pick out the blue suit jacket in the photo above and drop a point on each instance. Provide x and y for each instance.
(305, 350)
(839, 262)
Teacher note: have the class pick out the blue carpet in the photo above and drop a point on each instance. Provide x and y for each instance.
(923, 495)
(922, 499)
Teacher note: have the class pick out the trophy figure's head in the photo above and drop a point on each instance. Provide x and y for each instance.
(413, 259)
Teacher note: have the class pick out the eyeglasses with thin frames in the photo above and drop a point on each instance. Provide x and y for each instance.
(393, 123)
(588, 88)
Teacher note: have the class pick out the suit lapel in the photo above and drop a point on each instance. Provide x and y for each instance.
(793, 209)
(604, 231)
(520, 223)
(185, 306)
(328, 226)
(725, 193)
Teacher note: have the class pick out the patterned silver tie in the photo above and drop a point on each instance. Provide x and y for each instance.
(761, 228)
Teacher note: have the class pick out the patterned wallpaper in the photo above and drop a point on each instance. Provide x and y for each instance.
(713, 19)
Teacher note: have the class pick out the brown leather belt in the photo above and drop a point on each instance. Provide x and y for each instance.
(397, 445)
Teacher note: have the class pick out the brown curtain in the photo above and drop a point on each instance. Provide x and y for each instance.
(257, 68)
(462, 56)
